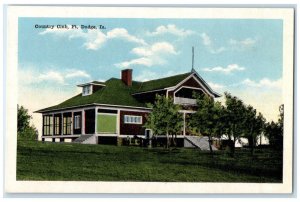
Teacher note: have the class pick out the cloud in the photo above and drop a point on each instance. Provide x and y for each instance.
(263, 83)
(94, 39)
(226, 70)
(216, 85)
(233, 44)
(139, 61)
(123, 34)
(70, 33)
(170, 29)
(51, 76)
(150, 55)
(206, 40)
(157, 48)
(77, 73)
(31, 75)
(242, 44)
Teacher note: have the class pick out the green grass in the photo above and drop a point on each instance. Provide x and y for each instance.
(75, 162)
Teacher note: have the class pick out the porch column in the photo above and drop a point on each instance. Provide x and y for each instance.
(184, 124)
(96, 119)
(72, 126)
(118, 122)
(83, 122)
(62, 125)
(43, 132)
(53, 125)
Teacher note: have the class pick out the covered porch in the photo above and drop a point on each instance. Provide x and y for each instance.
(71, 124)
(185, 113)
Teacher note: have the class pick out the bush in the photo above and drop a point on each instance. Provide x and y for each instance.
(28, 133)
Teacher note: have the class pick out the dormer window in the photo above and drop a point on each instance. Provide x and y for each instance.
(91, 87)
(86, 90)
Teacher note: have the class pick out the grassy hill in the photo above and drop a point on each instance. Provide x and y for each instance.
(75, 162)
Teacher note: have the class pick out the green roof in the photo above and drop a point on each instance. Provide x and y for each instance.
(116, 92)
(161, 83)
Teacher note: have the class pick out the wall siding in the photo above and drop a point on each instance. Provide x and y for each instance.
(132, 129)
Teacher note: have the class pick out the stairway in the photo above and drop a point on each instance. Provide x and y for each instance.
(200, 142)
(86, 139)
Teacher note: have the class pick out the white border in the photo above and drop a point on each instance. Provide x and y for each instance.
(11, 185)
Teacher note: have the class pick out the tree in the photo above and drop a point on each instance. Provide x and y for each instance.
(234, 118)
(274, 131)
(221, 127)
(164, 118)
(253, 126)
(24, 129)
(23, 118)
(281, 118)
(207, 116)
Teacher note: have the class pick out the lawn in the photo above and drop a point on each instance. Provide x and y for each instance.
(76, 162)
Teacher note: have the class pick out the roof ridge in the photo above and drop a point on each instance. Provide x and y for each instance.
(166, 77)
(142, 82)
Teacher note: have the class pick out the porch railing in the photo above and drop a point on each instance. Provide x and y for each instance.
(184, 101)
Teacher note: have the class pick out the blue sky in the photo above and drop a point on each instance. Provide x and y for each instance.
(243, 57)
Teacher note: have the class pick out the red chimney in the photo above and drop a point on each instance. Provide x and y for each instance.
(127, 76)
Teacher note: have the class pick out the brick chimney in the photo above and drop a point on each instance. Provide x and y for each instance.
(126, 76)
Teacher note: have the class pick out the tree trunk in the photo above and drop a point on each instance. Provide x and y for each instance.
(260, 138)
(252, 147)
(232, 142)
(174, 139)
(210, 147)
(167, 139)
(233, 146)
(252, 141)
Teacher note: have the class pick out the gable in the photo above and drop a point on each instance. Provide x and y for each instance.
(191, 83)
(195, 81)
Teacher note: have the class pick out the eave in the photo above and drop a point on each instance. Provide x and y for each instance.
(90, 105)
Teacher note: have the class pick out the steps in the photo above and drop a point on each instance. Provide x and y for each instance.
(200, 142)
(86, 139)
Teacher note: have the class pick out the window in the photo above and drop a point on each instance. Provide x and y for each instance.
(67, 121)
(48, 125)
(77, 121)
(87, 90)
(133, 119)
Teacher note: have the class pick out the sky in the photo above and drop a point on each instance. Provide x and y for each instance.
(242, 57)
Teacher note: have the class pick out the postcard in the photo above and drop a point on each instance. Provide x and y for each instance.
(149, 100)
